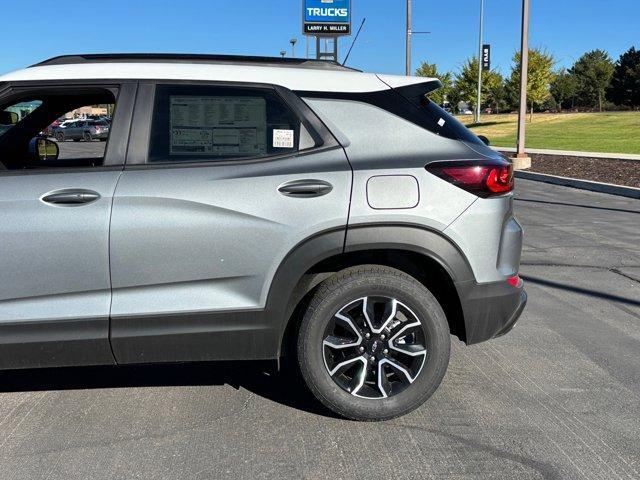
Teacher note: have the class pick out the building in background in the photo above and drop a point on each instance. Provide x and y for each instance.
(90, 111)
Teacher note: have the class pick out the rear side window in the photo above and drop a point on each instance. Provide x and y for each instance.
(434, 118)
(205, 123)
(439, 121)
(412, 104)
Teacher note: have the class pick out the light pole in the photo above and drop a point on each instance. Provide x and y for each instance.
(293, 42)
(478, 102)
(410, 33)
(524, 70)
(283, 53)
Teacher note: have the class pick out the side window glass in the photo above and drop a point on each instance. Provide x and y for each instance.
(72, 127)
(201, 123)
(15, 113)
(82, 139)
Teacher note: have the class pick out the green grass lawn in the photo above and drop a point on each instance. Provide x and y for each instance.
(616, 132)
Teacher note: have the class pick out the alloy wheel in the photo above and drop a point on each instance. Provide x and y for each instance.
(374, 347)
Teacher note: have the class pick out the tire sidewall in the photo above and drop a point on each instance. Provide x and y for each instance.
(430, 315)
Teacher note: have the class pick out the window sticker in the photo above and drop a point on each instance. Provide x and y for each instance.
(441, 122)
(282, 138)
(218, 125)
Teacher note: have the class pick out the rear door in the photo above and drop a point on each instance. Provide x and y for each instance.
(74, 131)
(228, 180)
(54, 231)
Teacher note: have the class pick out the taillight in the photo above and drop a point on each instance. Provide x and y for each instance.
(515, 281)
(485, 178)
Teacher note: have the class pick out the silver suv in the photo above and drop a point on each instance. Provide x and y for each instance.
(85, 129)
(253, 208)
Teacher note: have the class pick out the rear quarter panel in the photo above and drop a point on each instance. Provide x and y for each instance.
(382, 144)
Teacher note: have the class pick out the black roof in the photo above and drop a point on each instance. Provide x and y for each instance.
(193, 58)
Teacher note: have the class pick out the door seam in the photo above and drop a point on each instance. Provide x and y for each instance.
(346, 226)
(113, 199)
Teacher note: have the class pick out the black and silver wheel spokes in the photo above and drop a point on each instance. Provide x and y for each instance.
(374, 347)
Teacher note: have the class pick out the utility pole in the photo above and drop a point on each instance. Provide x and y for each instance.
(478, 102)
(410, 33)
(408, 45)
(524, 70)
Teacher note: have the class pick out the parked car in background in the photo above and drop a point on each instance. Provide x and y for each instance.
(48, 132)
(83, 129)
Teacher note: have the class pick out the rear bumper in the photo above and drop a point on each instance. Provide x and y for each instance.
(490, 309)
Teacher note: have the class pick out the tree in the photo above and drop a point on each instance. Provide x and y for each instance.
(466, 82)
(431, 70)
(466, 85)
(540, 76)
(496, 91)
(594, 71)
(564, 87)
(625, 83)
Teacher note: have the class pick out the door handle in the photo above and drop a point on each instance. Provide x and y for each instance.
(71, 198)
(305, 188)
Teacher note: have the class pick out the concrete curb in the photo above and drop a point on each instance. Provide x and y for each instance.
(567, 153)
(609, 188)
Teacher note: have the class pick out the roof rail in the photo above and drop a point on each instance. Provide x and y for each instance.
(193, 58)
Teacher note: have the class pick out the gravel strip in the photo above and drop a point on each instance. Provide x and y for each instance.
(618, 172)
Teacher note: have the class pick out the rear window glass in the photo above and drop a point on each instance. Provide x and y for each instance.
(209, 123)
(434, 118)
(441, 122)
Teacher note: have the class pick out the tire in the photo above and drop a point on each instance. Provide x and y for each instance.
(419, 325)
(87, 136)
(60, 137)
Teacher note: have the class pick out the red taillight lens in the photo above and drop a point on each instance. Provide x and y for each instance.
(500, 179)
(482, 178)
(515, 281)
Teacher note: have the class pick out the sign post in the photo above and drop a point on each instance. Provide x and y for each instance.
(326, 19)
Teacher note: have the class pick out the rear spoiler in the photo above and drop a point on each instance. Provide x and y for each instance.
(412, 85)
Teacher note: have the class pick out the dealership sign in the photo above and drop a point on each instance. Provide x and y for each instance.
(326, 17)
(486, 57)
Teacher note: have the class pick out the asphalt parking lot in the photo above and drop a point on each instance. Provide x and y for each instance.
(558, 397)
(81, 149)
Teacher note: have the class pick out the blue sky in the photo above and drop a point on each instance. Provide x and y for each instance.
(35, 30)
